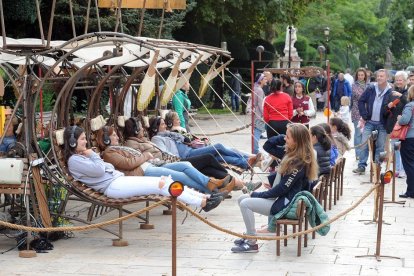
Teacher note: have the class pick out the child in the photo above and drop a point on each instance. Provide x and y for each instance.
(344, 112)
(9, 137)
(341, 134)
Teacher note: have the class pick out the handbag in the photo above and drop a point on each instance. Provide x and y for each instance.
(399, 132)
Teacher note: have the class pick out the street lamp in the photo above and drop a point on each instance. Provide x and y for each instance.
(326, 33)
(260, 49)
(348, 46)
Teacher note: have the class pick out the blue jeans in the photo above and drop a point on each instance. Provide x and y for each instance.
(398, 164)
(235, 98)
(7, 143)
(222, 154)
(379, 143)
(183, 172)
(259, 128)
(357, 138)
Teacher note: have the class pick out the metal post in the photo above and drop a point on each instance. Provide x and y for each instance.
(290, 39)
(252, 107)
(328, 87)
(174, 235)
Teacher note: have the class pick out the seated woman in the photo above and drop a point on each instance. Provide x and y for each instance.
(173, 124)
(297, 168)
(133, 162)
(322, 146)
(341, 134)
(206, 163)
(334, 148)
(87, 167)
(165, 140)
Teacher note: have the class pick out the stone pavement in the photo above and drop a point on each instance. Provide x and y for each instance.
(202, 250)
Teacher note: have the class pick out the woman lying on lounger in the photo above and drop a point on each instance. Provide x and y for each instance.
(87, 167)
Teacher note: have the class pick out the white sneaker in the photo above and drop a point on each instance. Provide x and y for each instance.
(266, 163)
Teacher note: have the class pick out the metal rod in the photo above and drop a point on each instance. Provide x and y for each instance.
(162, 20)
(141, 21)
(328, 86)
(39, 18)
(52, 16)
(3, 28)
(97, 15)
(87, 16)
(252, 97)
(174, 235)
(380, 212)
(72, 19)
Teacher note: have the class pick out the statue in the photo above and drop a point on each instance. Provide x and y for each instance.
(290, 36)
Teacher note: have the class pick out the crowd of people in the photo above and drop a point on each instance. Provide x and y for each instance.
(152, 157)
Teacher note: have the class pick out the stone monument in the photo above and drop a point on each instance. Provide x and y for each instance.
(290, 50)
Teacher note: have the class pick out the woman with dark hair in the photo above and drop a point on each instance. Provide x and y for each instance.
(334, 148)
(358, 87)
(322, 146)
(297, 168)
(341, 134)
(303, 107)
(178, 145)
(287, 86)
(277, 110)
(133, 162)
(205, 163)
(87, 167)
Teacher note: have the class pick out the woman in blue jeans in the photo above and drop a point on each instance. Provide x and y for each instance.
(165, 140)
(132, 162)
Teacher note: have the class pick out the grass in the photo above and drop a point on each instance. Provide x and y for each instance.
(202, 110)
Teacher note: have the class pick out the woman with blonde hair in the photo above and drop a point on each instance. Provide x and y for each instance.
(297, 168)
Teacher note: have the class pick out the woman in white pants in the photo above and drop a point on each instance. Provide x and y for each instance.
(87, 167)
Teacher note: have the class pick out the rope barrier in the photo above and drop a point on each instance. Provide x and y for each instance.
(182, 205)
(225, 132)
(82, 228)
(335, 218)
(360, 145)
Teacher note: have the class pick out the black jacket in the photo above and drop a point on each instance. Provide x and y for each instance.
(391, 114)
(285, 191)
(323, 157)
(366, 103)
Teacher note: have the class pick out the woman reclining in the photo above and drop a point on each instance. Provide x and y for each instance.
(87, 167)
(206, 163)
(169, 141)
(133, 162)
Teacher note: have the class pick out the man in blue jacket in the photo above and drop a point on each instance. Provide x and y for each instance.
(342, 87)
(371, 109)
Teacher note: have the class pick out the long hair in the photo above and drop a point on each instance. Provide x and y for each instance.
(302, 156)
(363, 71)
(328, 131)
(100, 137)
(154, 123)
(341, 127)
(68, 150)
(275, 86)
(321, 136)
(132, 125)
(410, 93)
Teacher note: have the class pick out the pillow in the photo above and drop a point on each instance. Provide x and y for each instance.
(145, 120)
(163, 112)
(97, 123)
(121, 121)
(59, 136)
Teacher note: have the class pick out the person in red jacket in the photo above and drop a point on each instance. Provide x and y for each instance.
(277, 110)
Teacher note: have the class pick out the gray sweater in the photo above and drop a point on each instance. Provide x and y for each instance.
(92, 171)
(408, 118)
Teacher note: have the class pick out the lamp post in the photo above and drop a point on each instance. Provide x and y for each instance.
(348, 46)
(259, 49)
(290, 41)
(326, 32)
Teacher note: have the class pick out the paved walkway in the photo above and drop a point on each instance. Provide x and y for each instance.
(206, 251)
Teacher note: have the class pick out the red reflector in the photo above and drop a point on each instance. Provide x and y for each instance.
(387, 177)
(176, 188)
